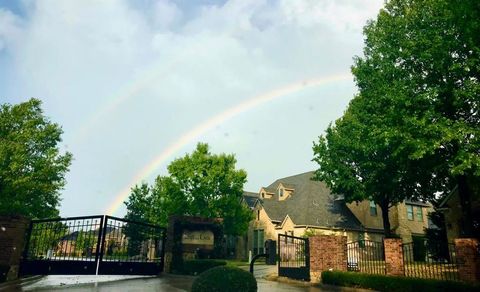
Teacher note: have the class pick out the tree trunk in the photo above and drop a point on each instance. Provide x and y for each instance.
(466, 228)
(386, 221)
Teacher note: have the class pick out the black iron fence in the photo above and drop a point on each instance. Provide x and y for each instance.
(93, 245)
(432, 261)
(129, 241)
(294, 257)
(74, 238)
(366, 256)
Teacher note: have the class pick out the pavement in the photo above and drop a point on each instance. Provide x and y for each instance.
(164, 282)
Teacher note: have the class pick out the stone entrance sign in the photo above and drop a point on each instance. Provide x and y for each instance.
(198, 237)
(192, 238)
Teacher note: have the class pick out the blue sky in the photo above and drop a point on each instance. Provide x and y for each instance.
(126, 79)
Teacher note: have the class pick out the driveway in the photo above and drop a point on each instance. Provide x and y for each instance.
(165, 282)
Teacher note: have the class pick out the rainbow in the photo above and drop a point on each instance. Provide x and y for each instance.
(154, 73)
(211, 123)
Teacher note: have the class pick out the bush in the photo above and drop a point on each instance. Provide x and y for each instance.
(225, 279)
(194, 267)
(393, 284)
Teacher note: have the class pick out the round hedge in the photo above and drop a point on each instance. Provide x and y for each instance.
(225, 278)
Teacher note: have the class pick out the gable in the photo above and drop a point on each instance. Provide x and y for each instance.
(311, 204)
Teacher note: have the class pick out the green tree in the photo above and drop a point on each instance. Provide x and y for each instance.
(139, 208)
(198, 184)
(423, 57)
(414, 126)
(85, 242)
(361, 157)
(32, 169)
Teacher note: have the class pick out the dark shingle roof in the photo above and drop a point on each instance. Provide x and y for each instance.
(310, 204)
(270, 190)
(250, 198)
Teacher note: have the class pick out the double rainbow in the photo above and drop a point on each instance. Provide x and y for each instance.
(211, 123)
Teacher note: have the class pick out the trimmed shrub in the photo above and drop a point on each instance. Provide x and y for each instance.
(393, 284)
(195, 267)
(225, 279)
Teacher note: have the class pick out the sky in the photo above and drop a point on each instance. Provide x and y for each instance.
(136, 84)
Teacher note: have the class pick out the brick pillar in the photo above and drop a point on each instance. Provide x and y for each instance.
(12, 239)
(169, 245)
(327, 252)
(394, 256)
(468, 256)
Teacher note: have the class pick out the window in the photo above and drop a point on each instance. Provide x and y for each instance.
(258, 241)
(410, 212)
(419, 214)
(373, 208)
(280, 192)
(258, 215)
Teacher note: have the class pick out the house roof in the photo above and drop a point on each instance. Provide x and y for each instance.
(445, 200)
(270, 190)
(312, 203)
(250, 198)
(417, 203)
(288, 186)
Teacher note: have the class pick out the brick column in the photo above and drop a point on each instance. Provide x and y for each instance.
(468, 257)
(12, 239)
(327, 252)
(394, 256)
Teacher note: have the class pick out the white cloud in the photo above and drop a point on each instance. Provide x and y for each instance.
(131, 79)
(10, 28)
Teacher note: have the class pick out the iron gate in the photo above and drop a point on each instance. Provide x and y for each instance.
(435, 261)
(366, 256)
(90, 245)
(294, 257)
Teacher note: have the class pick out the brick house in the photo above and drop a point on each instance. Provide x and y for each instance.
(297, 205)
(452, 210)
(114, 240)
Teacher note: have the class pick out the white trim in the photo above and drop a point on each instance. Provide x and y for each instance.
(283, 222)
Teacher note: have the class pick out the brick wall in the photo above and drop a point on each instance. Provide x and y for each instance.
(394, 256)
(327, 252)
(468, 257)
(12, 239)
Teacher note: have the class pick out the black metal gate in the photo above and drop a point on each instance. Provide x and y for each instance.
(366, 256)
(436, 260)
(90, 245)
(294, 257)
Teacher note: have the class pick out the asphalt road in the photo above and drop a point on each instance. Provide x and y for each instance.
(165, 282)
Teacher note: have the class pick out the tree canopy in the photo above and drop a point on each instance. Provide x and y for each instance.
(198, 184)
(32, 169)
(413, 129)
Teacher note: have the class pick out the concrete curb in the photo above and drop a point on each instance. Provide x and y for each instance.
(275, 278)
(20, 282)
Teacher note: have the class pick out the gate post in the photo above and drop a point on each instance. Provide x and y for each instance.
(394, 262)
(13, 231)
(327, 252)
(468, 257)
